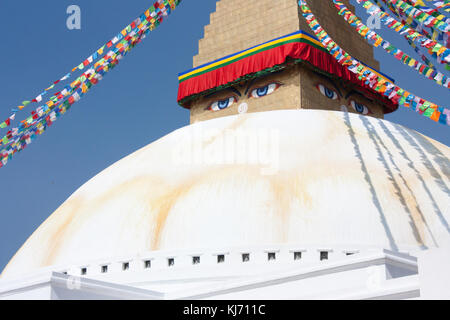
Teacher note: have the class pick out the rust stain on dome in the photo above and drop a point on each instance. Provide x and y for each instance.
(341, 179)
(163, 205)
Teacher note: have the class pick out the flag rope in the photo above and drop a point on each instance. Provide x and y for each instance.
(153, 16)
(20, 137)
(369, 34)
(390, 90)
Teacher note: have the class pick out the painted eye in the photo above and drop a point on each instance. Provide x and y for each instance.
(222, 104)
(359, 107)
(327, 92)
(264, 91)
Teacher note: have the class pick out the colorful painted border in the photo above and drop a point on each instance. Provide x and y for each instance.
(296, 37)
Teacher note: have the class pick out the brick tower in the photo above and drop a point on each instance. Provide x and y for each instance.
(237, 25)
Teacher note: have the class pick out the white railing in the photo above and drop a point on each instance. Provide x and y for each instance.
(174, 260)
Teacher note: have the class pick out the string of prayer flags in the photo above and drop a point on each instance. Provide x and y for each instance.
(413, 25)
(442, 5)
(402, 29)
(86, 75)
(153, 16)
(421, 16)
(388, 89)
(369, 34)
(43, 117)
(422, 56)
(39, 121)
(419, 4)
(436, 35)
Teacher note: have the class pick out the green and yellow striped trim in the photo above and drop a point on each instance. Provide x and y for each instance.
(299, 37)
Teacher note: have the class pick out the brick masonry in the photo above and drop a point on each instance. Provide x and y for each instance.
(237, 25)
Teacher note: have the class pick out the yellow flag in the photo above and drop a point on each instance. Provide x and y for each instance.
(378, 42)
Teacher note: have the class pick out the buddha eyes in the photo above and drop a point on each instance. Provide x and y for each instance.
(264, 90)
(271, 87)
(222, 104)
(327, 92)
(333, 95)
(254, 93)
(359, 107)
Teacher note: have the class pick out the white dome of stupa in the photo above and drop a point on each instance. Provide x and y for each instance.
(313, 177)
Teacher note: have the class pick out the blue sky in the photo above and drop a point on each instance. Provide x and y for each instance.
(132, 106)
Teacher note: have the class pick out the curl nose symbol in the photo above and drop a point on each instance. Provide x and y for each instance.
(243, 108)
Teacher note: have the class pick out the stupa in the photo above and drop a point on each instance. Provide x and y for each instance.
(288, 184)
